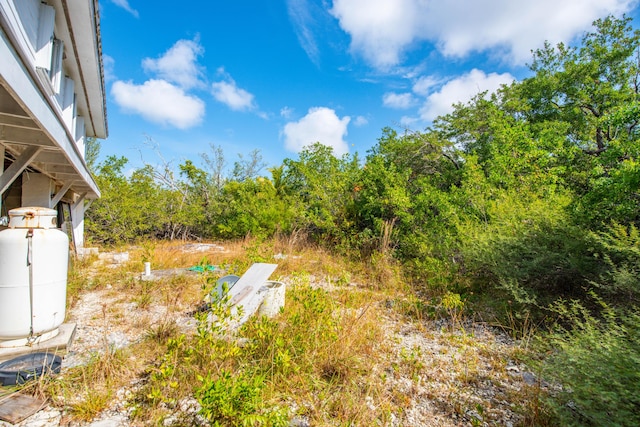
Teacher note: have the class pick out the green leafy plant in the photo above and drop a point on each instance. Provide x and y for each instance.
(236, 400)
(453, 305)
(618, 247)
(597, 362)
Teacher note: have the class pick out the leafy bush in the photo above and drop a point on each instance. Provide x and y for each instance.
(619, 250)
(322, 184)
(528, 247)
(235, 400)
(132, 208)
(252, 207)
(597, 362)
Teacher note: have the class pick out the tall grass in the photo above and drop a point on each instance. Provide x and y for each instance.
(304, 362)
(325, 358)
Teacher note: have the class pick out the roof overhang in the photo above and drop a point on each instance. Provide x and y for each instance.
(30, 122)
(78, 26)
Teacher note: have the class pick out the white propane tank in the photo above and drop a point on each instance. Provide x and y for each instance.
(34, 256)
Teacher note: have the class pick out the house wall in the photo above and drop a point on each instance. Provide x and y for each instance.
(33, 25)
(36, 190)
(77, 219)
(1, 170)
(33, 22)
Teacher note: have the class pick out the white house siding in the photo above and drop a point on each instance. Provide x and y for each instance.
(36, 189)
(50, 102)
(28, 12)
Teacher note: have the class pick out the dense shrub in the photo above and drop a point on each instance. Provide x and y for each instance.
(617, 250)
(528, 247)
(597, 362)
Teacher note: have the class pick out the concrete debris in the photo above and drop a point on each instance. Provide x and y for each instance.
(114, 257)
(202, 247)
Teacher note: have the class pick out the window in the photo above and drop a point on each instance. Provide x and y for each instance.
(44, 41)
(55, 72)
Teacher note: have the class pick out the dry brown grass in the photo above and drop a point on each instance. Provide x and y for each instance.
(360, 351)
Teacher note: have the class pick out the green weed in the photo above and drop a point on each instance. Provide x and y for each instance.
(236, 400)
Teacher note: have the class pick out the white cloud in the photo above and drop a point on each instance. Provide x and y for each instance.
(179, 64)
(382, 30)
(160, 102)
(125, 5)
(232, 96)
(408, 122)
(321, 124)
(423, 85)
(108, 64)
(461, 89)
(398, 100)
(302, 19)
(286, 112)
(361, 121)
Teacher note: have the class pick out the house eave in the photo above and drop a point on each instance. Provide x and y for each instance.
(30, 118)
(81, 17)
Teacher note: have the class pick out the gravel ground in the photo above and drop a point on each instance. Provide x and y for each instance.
(447, 376)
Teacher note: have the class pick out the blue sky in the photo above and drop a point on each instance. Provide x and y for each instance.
(277, 75)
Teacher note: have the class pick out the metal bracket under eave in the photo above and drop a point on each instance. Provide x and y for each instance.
(18, 166)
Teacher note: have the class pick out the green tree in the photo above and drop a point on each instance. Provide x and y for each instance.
(199, 198)
(589, 95)
(584, 85)
(118, 215)
(248, 168)
(91, 153)
(130, 208)
(322, 185)
(252, 207)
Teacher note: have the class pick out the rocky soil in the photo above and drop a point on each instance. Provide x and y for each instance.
(447, 375)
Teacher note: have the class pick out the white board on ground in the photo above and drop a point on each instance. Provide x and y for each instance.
(249, 292)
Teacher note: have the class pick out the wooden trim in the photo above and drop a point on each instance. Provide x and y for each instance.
(16, 168)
